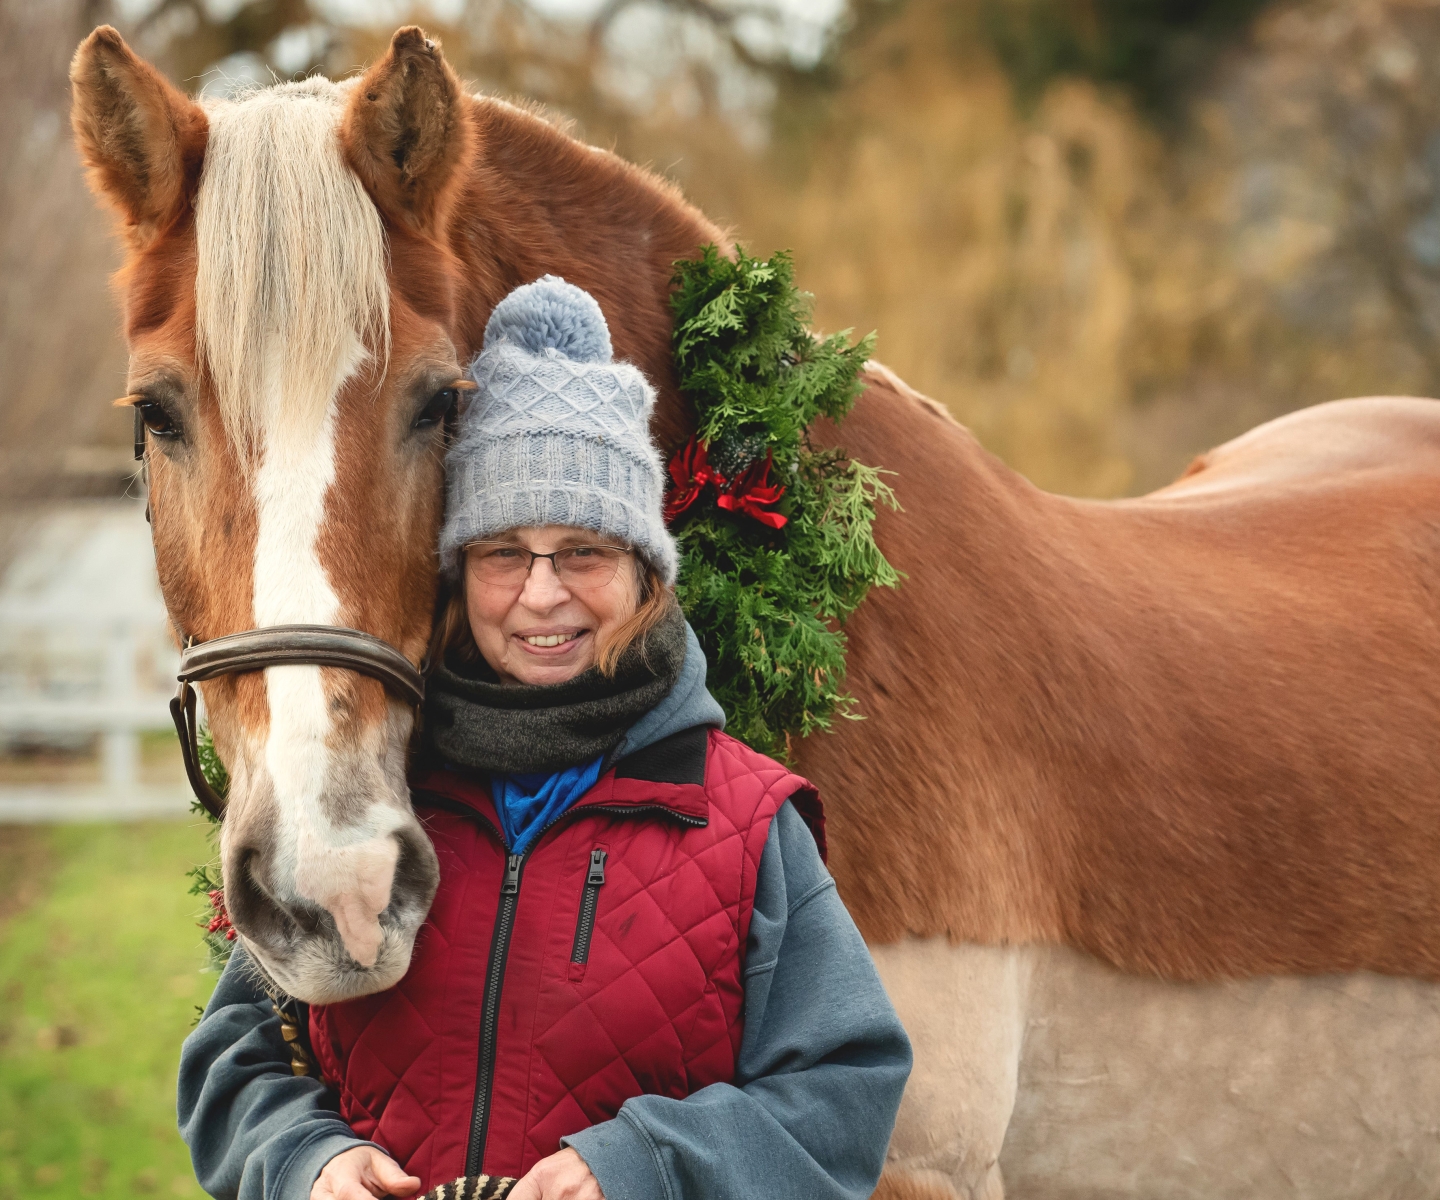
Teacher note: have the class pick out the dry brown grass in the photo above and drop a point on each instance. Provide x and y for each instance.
(26, 865)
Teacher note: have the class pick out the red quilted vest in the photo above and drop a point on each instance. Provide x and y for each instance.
(546, 990)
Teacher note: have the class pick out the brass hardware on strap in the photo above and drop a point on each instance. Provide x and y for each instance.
(280, 646)
(300, 1061)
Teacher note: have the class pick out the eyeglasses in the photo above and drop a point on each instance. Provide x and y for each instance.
(506, 564)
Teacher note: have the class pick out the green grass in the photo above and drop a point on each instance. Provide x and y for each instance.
(100, 973)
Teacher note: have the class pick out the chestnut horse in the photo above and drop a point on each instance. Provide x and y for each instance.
(1143, 823)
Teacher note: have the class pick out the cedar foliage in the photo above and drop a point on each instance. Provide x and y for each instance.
(205, 879)
(768, 604)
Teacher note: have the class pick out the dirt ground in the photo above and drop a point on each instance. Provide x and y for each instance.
(26, 865)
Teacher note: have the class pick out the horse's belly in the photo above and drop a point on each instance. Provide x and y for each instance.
(1310, 1087)
(1130, 1087)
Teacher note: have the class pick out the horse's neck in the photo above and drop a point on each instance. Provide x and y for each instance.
(993, 608)
(536, 201)
(975, 676)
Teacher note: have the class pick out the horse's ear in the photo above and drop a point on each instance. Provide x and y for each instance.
(141, 138)
(406, 130)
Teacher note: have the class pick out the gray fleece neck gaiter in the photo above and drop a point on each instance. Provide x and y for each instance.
(473, 720)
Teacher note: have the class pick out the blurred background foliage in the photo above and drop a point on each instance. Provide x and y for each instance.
(1106, 233)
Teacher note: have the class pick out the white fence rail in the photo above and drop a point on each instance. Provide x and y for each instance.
(84, 655)
(63, 682)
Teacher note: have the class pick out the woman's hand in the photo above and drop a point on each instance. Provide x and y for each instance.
(364, 1173)
(562, 1176)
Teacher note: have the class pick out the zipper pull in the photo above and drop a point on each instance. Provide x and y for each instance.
(512, 875)
(597, 869)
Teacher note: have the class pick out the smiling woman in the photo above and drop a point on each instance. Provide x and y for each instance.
(534, 624)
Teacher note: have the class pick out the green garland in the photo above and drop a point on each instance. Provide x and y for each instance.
(767, 599)
(769, 568)
(212, 917)
(205, 879)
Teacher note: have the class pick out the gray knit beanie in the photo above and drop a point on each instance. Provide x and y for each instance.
(558, 433)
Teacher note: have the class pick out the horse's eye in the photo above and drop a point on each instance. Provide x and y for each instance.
(156, 419)
(437, 408)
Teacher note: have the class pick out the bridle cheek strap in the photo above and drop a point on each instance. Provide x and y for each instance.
(280, 646)
(182, 712)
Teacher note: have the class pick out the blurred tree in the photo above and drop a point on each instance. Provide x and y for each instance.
(60, 350)
(1158, 50)
(1312, 178)
(252, 42)
(1355, 92)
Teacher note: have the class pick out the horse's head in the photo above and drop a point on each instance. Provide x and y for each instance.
(290, 307)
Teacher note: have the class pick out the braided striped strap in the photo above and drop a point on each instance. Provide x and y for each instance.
(473, 1187)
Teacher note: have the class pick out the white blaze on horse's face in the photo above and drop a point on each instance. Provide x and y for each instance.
(291, 302)
(298, 403)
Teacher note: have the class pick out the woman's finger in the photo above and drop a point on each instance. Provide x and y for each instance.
(350, 1188)
(390, 1177)
(362, 1174)
(527, 1188)
(562, 1176)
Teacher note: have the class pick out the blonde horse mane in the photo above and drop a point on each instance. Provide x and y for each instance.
(291, 284)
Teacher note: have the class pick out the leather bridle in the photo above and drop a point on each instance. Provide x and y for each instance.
(280, 646)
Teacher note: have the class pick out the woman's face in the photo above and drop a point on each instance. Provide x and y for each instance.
(537, 629)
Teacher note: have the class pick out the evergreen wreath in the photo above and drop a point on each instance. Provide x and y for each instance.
(770, 568)
(775, 536)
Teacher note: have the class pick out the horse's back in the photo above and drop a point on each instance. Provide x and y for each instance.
(1275, 615)
(1394, 438)
(1308, 535)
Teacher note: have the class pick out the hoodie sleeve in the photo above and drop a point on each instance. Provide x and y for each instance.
(255, 1130)
(822, 1065)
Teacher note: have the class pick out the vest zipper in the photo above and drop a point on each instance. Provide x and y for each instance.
(585, 925)
(495, 972)
(490, 1012)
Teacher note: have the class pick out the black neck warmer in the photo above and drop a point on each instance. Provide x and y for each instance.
(474, 720)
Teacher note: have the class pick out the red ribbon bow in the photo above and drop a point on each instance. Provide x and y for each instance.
(690, 472)
(751, 489)
(748, 493)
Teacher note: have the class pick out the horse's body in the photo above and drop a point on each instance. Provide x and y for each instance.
(1114, 756)
(1191, 734)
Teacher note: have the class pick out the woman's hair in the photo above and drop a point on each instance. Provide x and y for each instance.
(453, 639)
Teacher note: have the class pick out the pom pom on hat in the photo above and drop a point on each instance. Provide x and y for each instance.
(551, 314)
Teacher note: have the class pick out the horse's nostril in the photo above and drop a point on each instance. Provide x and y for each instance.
(417, 872)
(252, 907)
